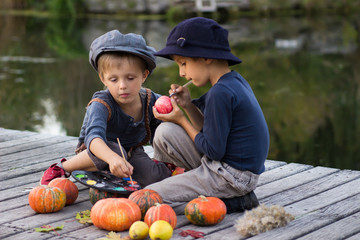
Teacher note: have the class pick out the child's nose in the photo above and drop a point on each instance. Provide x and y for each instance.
(122, 84)
(181, 72)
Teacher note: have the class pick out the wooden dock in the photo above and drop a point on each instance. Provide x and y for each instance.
(325, 201)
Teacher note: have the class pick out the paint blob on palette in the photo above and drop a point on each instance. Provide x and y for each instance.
(105, 181)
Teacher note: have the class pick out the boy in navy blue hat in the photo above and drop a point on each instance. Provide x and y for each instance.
(123, 111)
(224, 141)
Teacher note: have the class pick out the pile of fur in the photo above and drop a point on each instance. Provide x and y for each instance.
(262, 219)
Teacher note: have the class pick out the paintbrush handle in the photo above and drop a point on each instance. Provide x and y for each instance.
(122, 153)
(185, 85)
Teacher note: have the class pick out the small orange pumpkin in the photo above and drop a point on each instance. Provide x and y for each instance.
(145, 199)
(68, 187)
(161, 212)
(45, 199)
(205, 210)
(115, 214)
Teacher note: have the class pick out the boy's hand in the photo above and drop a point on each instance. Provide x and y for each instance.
(175, 116)
(182, 96)
(120, 167)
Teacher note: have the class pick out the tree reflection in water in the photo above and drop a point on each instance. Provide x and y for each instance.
(302, 70)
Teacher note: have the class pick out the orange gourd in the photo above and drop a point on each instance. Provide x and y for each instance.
(45, 199)
(205, 211)
(68, 187)
(161, 212)
(115, 214)
(145, 199)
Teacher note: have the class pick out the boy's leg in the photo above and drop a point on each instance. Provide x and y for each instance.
(81, 161)
(146, 171)
(65, 167)
(211, 178)
(173, 145)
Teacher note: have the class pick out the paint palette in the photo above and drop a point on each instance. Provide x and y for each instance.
(106, 181)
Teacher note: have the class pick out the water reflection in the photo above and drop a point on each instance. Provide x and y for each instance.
(303, 70)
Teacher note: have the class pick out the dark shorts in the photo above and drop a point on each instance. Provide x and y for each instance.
(146, 171)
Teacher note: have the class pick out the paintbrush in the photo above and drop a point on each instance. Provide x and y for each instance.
(185, 85)
(132, 183)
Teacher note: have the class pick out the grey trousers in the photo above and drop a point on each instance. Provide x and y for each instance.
(203, 176)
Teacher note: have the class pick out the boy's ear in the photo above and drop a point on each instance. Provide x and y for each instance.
(145, 74)
(101, 78)
(208, 60)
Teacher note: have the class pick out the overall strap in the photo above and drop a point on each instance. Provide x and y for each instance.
(147, 124)
(104, 103)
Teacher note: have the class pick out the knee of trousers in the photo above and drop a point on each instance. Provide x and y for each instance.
(166, 130)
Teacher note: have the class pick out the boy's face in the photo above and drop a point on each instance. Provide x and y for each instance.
(195, 69)
(124, 79)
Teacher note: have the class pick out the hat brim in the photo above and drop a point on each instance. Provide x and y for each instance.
(197, 52)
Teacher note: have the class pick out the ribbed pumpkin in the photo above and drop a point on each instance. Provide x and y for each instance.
(96, 195)
(161, 212)
(145, 199)
(45, 199)
(68, 187)
(115, 214)
(205, 211)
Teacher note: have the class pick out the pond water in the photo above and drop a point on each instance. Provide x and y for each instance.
(304, 72)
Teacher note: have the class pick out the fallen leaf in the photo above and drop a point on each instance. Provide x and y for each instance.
(195, 234)
(84, 217)
(48, 228)
(114, 236)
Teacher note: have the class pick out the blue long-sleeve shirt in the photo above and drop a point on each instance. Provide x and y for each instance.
(235, 129)
(120, 125)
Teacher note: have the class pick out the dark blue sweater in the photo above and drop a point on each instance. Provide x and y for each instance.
(235, 129)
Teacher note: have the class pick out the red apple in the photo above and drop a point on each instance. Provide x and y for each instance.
(163, 105)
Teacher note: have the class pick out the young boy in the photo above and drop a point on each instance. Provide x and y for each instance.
(123, 110)
(224, 145)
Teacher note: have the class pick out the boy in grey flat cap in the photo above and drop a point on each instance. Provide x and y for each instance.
(123, 111)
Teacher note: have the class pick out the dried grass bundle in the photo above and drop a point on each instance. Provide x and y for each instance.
(262, 219)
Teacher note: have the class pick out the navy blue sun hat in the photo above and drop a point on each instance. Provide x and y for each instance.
(201, 38)
(115, 41)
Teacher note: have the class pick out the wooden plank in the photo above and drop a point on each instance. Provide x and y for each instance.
(25, 211)
(271, 164)
(338, 230)
(90, 232)
(24, 140)
(281, 172)
(354, 237)
(326, 198)
(22, 200)
(311, 188)
(301, 225)
(315, 220)
(8, 135)
(6, 231)
(32, 145)
(15, 191)
(26, 218)
(41, 151)
(22, 190)
(207, 230)
(292, 181)
(18, 171)
(56, 151)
